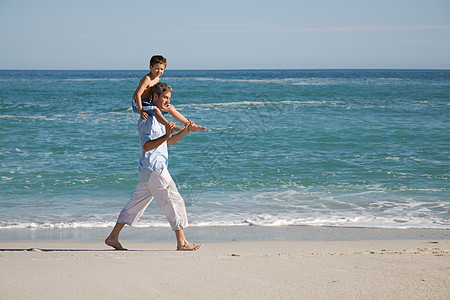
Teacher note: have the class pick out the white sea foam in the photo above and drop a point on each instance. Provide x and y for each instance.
(349, 219)
(97, 79)
(45, 118)
(290, 81)
(392, 158)
(253, 103)
(305, 81)
(72, 225)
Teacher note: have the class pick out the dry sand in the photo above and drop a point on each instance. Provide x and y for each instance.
(385, 269)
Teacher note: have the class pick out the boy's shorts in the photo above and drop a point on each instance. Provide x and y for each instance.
(147, 106)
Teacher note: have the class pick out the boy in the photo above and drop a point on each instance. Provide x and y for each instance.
(155, 181)
(142, 96)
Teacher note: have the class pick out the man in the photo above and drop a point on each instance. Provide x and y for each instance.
(155, 181)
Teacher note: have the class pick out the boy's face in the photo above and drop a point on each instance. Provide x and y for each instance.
(162, 100)
(157, 69)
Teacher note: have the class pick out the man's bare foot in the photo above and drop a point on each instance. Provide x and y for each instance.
(197, 128)
(189, 247)
(114, 243)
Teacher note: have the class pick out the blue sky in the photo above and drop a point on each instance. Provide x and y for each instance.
(81, 34)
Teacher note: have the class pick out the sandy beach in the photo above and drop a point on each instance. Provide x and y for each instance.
(370, 269)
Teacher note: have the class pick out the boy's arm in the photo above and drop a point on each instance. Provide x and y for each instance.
(143, 85)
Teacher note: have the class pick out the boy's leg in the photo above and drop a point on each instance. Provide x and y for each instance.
(161, 119)
(172, 205)
(180, 118)
(195, 127)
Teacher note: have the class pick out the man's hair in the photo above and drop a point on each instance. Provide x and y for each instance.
(158, 59)
(160, 88)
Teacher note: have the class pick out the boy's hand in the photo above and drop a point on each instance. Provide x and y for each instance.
(143, 114)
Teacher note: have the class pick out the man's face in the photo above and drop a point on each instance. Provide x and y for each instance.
(163, 100)
(157, 69)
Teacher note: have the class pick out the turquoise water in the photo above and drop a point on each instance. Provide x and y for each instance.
(363, 148)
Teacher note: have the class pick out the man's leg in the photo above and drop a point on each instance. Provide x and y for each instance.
(183, 244)
(113, 238)
(172, 205)
(132, 211)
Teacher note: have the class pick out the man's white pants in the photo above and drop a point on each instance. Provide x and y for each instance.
(162, 188)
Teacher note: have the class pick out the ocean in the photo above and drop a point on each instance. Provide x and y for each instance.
(340, 148)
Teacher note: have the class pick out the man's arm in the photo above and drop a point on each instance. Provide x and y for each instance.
(177, 137)
(171, 139)
(153, 144)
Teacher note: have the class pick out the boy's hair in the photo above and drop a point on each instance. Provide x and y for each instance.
(158, 59)
(160, 88)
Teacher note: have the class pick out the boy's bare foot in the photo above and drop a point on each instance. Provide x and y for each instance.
(114, 243)
(197, 128)
(177, 128)
(189, 247)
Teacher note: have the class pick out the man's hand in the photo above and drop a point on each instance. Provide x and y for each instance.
(177, 137)
(188, 126)
(170, 129)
